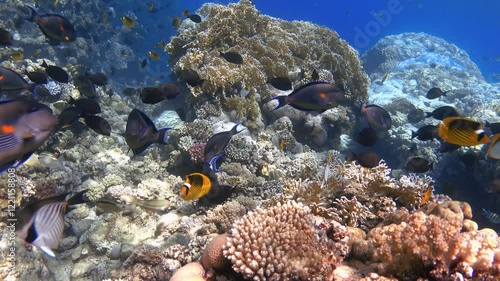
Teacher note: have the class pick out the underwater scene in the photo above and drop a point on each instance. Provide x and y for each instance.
(249, 140)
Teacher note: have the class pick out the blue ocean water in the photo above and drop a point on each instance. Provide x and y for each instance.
(472, 26)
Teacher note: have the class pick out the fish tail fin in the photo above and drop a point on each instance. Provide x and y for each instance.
(428, 114)
(235, 130)
(32, 89)
(161, 135)
(413, 134)
(33, 13)
(282, 101)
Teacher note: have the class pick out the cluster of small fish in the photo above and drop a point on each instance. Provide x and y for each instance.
(129, 22)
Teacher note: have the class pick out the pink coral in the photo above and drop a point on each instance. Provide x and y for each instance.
(196, 152)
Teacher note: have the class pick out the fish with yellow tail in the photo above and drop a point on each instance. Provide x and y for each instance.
(195, 186)
(462, 131)
(426, 196)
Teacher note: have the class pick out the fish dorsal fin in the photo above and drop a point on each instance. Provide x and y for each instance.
(307, 85)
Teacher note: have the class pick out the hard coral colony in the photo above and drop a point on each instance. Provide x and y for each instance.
(250, 183)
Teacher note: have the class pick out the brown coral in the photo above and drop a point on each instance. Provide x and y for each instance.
(402, 249)
(281, 243)
(212, 257)
(270, 48)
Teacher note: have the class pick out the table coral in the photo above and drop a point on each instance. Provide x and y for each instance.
(282, 243)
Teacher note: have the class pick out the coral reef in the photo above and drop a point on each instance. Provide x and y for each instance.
(281, 243)
(272, 48)
(426, 240)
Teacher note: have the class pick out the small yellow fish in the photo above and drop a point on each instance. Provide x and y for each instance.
(151, 6)
(426, 197)
(105, 19)
(176, 22)
(282, 144)
(185, 13)
(153, 55)
(127, 21)
(385, 77)
(196, 186)
(55, 3)
(17, 55)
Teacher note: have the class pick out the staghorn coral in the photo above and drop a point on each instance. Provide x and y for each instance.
(282, 243)
(402, 249)
(270, 48)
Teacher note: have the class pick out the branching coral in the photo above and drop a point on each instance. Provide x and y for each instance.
(281, 243)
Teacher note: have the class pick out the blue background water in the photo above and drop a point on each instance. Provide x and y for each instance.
(472, 25)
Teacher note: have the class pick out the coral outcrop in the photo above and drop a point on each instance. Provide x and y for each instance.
(282, 243)
(429, 240)
(270, 48)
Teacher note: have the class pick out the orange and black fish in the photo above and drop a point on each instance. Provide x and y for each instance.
(462, 131)
(54, 26)
(314, 96)
(141, 132)
(24, 126)
(56, 73)
(195, 186)
(376, 117)
(13, 81)
(5, 38)
(217, 143)
(42, 223)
